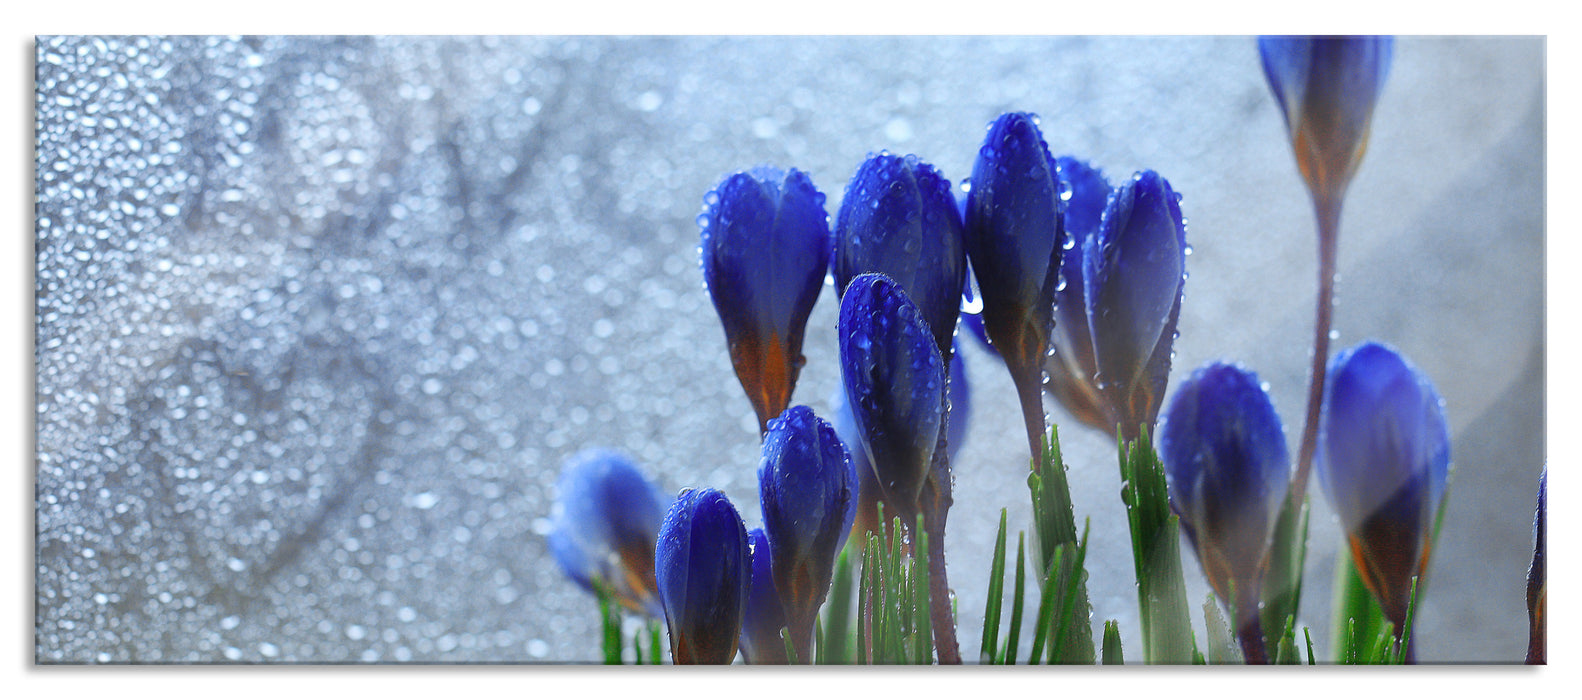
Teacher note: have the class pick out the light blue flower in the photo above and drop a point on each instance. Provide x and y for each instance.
(606, 519)
(1327, 88)
(1224, 452)
(1383, 458)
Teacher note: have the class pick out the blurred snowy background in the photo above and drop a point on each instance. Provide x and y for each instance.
(318, 318)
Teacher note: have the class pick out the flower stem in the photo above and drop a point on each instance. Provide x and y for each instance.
(1250, 633)
(1030, 392)
(941, 619)
(1328, 211)
(934, 503)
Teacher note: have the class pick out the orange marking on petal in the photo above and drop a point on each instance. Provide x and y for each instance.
(637, 564)
(766, 374)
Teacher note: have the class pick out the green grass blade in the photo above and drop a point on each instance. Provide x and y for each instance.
(922, 621)
(1406, 627)
(1068, 646)
(895, 604)
(834, 645)
(1379, 653)
(1221, 640)
(1358, 617)
(867, 589)
(1008, 654)
(1046, 605)
(819, 657)
(1156, 556)
(785, 638)
(1054, 522)
(1287, 654)
(610, 623)
(1054, 518)
(654, 654)
(1113, 655)
(991, 609)
(1282, 585)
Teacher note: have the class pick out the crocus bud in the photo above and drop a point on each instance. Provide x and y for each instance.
(765, 250)
(605, 521)
(845, 424)
(1383, 458)
(1327, 88)
(895, 385)
(1224, 452)
(1069, 369)
(898, 218)
(704, 569)
(1014, 239)
(806, 486)
(1133, 275)
(761, 643)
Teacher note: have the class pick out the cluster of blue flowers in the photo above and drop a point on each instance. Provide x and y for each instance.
(1081, 287)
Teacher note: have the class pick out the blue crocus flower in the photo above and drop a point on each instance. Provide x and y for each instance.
(765, 249)
(704, 570)
(1224, 452)
(845, 424)
(1133, 274)
(761, 643)
(1069, 369)
(898, 218)
(895, 385)
(1327, 88)
(1383, 458)
(606, 519)
(806, 487)
(1015, 239)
